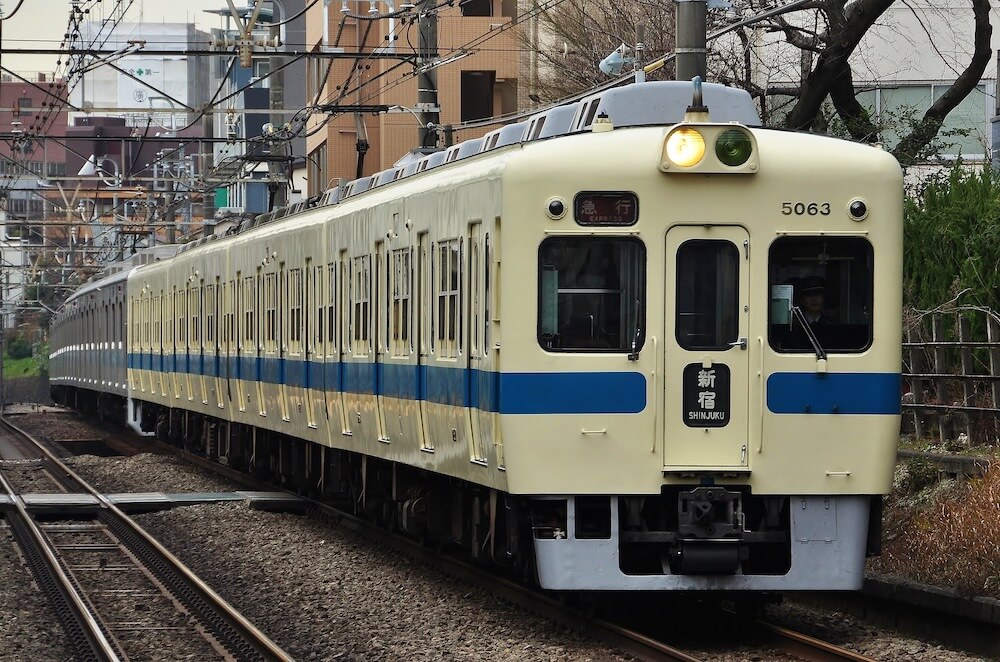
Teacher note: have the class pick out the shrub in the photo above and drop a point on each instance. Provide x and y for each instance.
(18, 348)
(951, 240)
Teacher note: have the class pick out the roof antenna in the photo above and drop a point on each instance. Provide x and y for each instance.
(697, 111)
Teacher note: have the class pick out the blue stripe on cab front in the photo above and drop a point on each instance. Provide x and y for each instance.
(834, 393)
(572, 392)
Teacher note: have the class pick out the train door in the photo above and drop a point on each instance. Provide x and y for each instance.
(310, 296)
(481, 418)
(424, 311)
(347, 281)
(706, 357)
(381, 340)
(217, 327)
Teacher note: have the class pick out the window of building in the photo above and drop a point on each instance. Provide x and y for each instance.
(591, 294)
(23, 107)
(707, 294)
(476, 7)
(825, 283)
(477, 94)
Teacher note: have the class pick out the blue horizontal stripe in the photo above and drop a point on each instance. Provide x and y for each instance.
(572, 393)
(508, 393)
(834, 393)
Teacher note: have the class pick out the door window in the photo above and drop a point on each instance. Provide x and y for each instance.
(707, 294)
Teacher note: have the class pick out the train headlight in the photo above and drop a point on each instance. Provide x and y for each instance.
(685, 147)
(709, 149)
(733, 147)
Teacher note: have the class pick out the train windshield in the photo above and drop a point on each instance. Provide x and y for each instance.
(591, 294)
(825, 283)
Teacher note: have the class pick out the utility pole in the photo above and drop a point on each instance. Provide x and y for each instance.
(427, 99)
(278, 169)
(169, 215)
(691, 39)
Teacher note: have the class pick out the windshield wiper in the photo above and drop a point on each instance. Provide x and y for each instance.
(801, 317)
(634, 354)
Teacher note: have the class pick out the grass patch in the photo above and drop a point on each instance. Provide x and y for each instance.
(943, 533)
(26, 367)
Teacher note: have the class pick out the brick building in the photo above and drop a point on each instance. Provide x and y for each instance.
(470, 87)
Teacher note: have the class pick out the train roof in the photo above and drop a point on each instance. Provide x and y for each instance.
(656, 103)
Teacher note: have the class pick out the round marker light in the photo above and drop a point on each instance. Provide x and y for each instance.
(733, 147)
(685, 147)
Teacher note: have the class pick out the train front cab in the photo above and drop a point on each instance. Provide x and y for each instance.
(754, 455)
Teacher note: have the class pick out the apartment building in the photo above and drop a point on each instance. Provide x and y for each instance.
(472, 86)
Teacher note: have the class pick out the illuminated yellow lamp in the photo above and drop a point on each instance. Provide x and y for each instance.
(685, 147)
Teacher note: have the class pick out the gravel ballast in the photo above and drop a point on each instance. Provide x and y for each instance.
(324, 593)
(28, 627)
(146, 473)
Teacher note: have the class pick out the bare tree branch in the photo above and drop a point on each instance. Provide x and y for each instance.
(847, 27)
(910, 147)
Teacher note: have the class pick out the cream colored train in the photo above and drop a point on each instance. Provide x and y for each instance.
(636, 343)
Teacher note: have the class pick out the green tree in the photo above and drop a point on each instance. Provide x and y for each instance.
(952, 240)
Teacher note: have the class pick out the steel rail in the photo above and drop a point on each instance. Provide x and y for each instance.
(640, 645)
(635, 643)
(87, 626)
(261, 643)
(810, 648)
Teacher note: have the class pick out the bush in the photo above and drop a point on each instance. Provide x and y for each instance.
(951, 240)
(18, 348)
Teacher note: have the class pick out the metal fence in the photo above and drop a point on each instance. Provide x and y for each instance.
(951, 375)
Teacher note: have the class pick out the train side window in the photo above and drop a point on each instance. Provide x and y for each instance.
(210, 317)
(196, 309)
(295, 311)
(360, 304)
(591, 294)
(449, 273)
(158, 312)
(825, 282)
(331, 309)
(182, 318)
(400, 286)
(271, 312)
(707, 294)
(248, 313)
(319, 282)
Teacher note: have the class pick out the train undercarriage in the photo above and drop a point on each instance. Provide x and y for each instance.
(716, 538)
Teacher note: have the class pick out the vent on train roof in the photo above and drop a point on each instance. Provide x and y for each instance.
(554, 122)
(468, 148)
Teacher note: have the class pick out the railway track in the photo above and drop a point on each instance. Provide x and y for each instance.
(117, 592)
(645, 645)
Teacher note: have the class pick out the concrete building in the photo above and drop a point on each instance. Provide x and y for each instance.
(165, 90)
(469, 87)
(268, 92)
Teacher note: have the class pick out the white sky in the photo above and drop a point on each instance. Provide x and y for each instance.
(42, 23)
